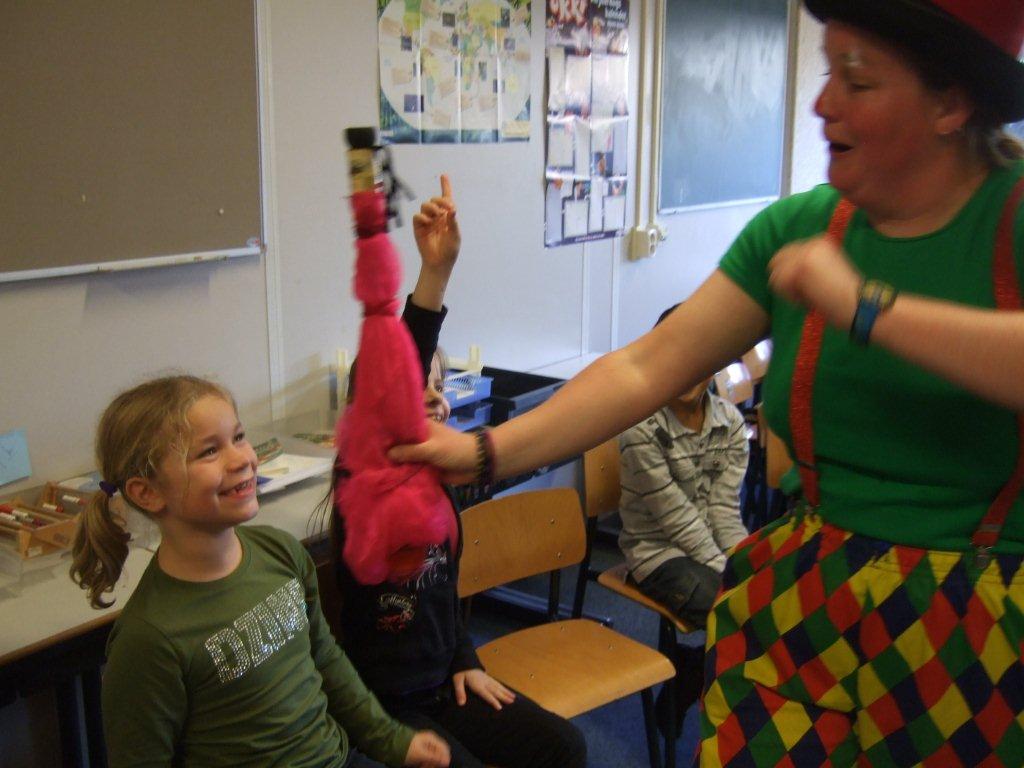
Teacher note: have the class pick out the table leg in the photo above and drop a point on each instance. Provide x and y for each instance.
(70, 723)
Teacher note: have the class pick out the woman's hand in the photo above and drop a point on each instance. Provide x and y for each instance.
(437, 231)
(427, 750)
(816, 274)
(451, 451)
(483, 685)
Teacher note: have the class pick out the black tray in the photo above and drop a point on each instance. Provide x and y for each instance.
(514, 393)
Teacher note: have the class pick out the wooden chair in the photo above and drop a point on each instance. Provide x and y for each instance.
(756, 359)
(600, 498)
(601, 490)
(571, 666)
(618, 580)
(734, 383)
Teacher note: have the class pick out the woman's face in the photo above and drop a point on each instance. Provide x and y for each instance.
(881, 122)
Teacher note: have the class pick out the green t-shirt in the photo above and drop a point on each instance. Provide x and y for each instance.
(238, 671)
(903, 455)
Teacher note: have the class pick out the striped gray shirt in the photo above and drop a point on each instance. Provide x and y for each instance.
(680, 489)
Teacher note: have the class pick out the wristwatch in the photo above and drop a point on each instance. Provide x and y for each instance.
(873, 298)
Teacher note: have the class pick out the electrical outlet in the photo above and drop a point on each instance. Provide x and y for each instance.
(643, 241)
(639, 244)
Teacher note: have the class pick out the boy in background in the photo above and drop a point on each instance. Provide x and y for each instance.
(681, 473)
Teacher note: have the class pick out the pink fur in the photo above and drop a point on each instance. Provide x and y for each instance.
(392, 512)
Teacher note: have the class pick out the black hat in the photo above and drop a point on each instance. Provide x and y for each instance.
(978, 41)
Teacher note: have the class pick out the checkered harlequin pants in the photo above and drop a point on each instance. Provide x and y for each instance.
(827, 648)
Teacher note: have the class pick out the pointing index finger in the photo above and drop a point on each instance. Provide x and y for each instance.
(446, 186)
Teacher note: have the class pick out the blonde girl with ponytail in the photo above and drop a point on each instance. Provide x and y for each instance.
(221, 656)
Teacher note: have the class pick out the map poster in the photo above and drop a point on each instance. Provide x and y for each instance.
(454, 71)
(587, 120)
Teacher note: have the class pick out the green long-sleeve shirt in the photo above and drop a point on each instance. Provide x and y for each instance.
(238, 671)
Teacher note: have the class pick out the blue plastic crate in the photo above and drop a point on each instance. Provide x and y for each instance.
(461, 389)
(470, 416)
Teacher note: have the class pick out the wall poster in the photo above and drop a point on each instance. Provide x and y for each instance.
(454, 70)
(587, 120)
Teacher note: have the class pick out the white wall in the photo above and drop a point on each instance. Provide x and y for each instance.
(70, 343)
(810, 158)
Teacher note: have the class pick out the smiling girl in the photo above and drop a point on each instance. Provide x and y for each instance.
(221, 655)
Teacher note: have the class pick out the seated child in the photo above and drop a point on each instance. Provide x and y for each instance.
(408, 640)
(681, 473)
(221, 657)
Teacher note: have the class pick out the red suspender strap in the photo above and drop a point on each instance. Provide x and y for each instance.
(801, 394)
(1007, 292)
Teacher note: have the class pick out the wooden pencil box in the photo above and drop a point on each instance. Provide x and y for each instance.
(37, 529)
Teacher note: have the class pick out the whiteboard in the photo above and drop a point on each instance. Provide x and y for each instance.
(723, 96)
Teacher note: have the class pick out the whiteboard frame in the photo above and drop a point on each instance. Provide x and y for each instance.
(124, 265)
(255, 241)
(722, 204)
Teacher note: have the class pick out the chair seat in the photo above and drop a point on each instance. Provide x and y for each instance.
(570, 667)
(617, 580)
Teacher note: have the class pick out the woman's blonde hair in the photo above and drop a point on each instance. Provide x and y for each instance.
(136, 432)
(997, 147)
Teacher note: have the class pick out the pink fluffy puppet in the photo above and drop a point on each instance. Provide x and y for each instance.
(393, 512)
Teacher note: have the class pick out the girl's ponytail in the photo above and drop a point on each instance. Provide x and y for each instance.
(99, 550)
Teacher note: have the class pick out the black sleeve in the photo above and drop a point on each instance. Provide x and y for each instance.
(465, 653)
(425, 327)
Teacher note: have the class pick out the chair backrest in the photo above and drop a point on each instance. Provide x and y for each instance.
(520, 535)
(757, 358)
(601, 489)
(734, 383)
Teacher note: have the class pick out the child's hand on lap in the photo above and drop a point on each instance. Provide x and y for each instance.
(427, 750)
(483, 685)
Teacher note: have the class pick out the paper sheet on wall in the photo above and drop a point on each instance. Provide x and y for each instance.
(588, 120)
(14, 461)
(454, 70)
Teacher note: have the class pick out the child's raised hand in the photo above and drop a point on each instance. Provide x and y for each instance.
(483, 685)
(437, 230)
(427, 750)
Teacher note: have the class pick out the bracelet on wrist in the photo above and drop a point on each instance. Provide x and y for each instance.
(484, 457)
(873, 298)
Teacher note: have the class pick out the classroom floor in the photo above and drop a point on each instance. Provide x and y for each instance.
(615, 732)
